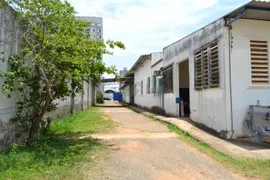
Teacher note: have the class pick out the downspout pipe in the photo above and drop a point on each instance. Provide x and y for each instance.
(230, 78)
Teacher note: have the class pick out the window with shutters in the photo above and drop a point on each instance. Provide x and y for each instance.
(148, 85)
(207, 67)
(168, 80)
(259, 62)
(141, 87)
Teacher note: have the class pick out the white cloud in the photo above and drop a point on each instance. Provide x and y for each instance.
(146, 26)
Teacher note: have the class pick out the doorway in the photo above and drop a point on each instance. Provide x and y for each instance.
(184, 105)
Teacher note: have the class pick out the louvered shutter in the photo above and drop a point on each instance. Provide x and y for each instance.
(213, 65)
(259, 62)
(198, 70)
(205, 61)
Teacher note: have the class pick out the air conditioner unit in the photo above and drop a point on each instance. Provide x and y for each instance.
(157, 73)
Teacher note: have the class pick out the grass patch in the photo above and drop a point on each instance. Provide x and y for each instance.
(55, 157)
(89, 121)
(249, 167)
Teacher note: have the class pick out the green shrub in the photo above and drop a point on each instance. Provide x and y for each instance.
(100, 97)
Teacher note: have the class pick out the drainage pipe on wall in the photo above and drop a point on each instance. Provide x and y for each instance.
(230, 78)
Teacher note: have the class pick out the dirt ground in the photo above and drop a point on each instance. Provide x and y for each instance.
(147, 150)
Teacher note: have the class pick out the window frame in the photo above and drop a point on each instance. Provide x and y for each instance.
(168, 78)
(267, 40)
(141, 87)
(207, 66)
(148, 85)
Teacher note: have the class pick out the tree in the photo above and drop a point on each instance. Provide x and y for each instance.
(55, 58)
(100, 97)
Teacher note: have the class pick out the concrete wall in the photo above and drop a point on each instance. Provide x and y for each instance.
(244, 93)
(155, 57)
(208, 106)
(141, 74)
(82, 101)
(9, 42)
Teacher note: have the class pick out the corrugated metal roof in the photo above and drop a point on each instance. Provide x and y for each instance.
(260, 4)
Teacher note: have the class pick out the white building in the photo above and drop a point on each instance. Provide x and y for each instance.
(219, 70)
(147, 89)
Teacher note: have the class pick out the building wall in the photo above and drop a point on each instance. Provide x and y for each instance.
(155, 57)
(126, 94)
(208, 106)
(244, 92)
(142, 73)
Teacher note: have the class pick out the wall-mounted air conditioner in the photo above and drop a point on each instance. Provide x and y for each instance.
(158, 73)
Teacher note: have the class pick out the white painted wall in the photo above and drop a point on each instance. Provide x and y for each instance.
(126, 94)
(244, 92)
(155, 57)
(208, 106)
(141, 74)
(8, 28)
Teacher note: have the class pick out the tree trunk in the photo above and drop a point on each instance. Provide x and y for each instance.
(34, 131)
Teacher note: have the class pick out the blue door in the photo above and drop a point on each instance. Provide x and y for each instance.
(117, 96)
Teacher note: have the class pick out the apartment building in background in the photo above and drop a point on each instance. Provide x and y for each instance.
(123, 72)
(96, 26)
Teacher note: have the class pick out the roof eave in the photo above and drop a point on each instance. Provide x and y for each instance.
(138, 62)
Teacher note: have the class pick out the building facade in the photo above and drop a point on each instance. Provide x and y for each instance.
(215, 75)
(147, 80)
(228, 70)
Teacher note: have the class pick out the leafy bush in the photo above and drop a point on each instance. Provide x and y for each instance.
(100, 97)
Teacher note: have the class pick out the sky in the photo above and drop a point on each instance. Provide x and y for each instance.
(147, 26)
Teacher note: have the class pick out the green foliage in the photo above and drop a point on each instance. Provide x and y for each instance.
(100, 97)
(129, 74)
(53, 158)
(55, 53)
(56, 157)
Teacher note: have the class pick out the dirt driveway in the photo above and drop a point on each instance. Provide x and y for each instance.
(147, 150)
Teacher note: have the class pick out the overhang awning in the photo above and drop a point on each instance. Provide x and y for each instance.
(255, 10)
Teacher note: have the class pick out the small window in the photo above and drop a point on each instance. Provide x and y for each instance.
(148, 85)
(259, 62)
(141, 87)
(168, 79)
(99, 24)
(99, 30)
(207, 67)
(93, 24)
(94, 30)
